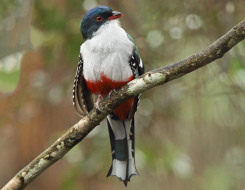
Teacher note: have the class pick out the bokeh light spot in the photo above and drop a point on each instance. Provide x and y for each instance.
(230, 7)
(38, 78)
(146, 107)
(9, 23)
(155, 38)
(176, 33)
(89, 4)
(193, 21)
(182, 166)
(55, 95)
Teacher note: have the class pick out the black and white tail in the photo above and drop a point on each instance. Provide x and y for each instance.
(122, 148)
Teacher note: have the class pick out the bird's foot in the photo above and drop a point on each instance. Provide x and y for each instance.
(97, 103)
(114, 90)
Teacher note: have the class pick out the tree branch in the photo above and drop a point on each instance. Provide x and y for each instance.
(149, 80)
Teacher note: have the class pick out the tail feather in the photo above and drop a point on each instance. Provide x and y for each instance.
(122, 147)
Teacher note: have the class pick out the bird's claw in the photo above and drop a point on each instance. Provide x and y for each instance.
(114, 90)
(97, 103)
(100, 98)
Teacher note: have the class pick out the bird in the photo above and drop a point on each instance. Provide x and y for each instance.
(109, 59)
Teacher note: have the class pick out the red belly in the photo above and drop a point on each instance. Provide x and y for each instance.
(104, 86)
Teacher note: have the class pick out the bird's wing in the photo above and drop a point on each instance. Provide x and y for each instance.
(138, 69)
(83, 99)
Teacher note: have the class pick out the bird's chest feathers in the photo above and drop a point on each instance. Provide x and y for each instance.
(106, 55)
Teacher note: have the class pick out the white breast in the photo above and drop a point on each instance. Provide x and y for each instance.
(107, 52)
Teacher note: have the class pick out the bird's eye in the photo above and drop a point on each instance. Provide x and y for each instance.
(99, 18)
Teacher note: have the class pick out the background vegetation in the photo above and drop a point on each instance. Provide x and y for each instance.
(189, 132)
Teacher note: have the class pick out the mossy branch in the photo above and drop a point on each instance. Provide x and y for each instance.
(145, 82)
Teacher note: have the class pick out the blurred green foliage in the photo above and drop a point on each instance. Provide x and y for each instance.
(7, 7)
(15, 17)
(8, 81)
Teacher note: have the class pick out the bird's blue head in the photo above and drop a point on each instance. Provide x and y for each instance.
(95, 18)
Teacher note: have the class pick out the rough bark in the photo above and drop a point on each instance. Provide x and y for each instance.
(149, 80)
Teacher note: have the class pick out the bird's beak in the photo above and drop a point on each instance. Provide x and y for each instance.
(115, 14)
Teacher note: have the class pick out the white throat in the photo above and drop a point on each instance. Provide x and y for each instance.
(108, 51)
